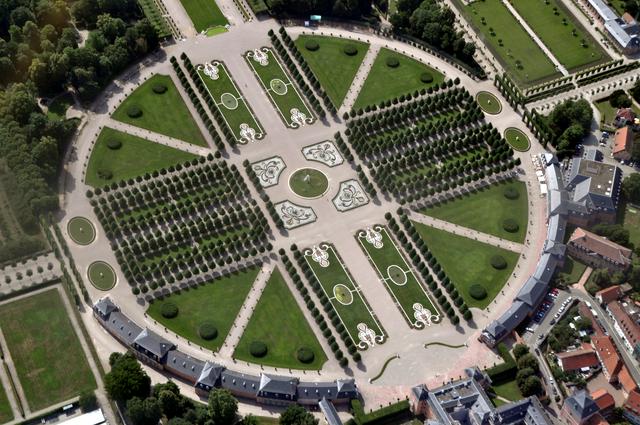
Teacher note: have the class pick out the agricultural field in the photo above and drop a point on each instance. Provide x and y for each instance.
(204, 14)
(158, 106)
(133, 157)
(407, 291)
(45, 349)
(277, 309)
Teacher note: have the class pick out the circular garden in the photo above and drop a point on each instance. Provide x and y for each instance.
(489, 103)
(81, 230)
(517, 139)
(101, 275)
(309, 183)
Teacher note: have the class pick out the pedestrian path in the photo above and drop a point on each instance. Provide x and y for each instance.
(359, 79)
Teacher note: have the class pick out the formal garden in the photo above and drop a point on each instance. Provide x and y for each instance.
(517, 139)
(308, 183)
(205, 14)
(489, 103)
(101, 275)
(81, 230)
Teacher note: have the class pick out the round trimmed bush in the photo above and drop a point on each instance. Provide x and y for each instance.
(510, 225)
(207, 331)
(305, 355)
(477, 292)
(498, 262)
(350, 50)
(169, 310)
(134, 111)
(426, 77)
(159, 88)
(511, 193)
(105, 174)
(393, 62)
(311, 45)
(114, 144)
(258, 349)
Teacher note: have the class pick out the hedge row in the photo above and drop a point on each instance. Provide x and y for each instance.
(504, 371)
(393, 413)
(263, 195)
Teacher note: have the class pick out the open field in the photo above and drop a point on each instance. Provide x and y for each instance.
(277, 310)
(398, 276)
(164, 113)
(204, 14)
(561, 32)
(467, 262)
(44, 347)
(385, 82)
(135, 157)
(333, 68)
(217, 302)
(486, 210)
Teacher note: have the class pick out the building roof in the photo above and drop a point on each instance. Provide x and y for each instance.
(601, 246)
(210, 375)
(528, 411)
(603, 10)
(629, 326)
(633, 402)
(278, 384)
(153, 343)
(603, 399)
(616, 28)
(623, 141)
(609, 294)
(577, 359)
(236, 381)
(627, 114)
(185, 364)
(593, 184)
(626, 380)
(532, 292)
(420, 392)
(608, 354)
(597, 419)
(123, 328)
(581, 406)
(545, 269)
(329, 411)
(104, 306)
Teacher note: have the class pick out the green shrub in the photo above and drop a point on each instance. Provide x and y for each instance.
(207, 331)
(258, 349)
(510, 225)
(393, 62)
(426, 77)
(498, 262)
(104, 174)
(134, 111)
(511, 193)
(350, 50)
(305, 355)
(311, 45)
(169, 310)
(159, 88)
(114, 144)
(477, 291)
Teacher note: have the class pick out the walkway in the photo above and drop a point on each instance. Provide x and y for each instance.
(359, 79)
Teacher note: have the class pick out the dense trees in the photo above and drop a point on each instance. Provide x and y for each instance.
(631, 188)
(297, 415)
(126, 379)
(223, 407)
(569, 122)
(338, 8)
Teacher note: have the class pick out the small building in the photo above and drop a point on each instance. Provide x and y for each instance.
(631, 407)
(627, 383)
(625, 116)
(598, 252)
(625, 322)
(623, 142)
(579, 408)
(604, 400)
(330, 413)
(606, 295)
(151, 348)
(608, 356)
(572, 361)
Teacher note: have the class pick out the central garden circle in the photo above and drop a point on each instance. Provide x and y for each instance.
(101, 275)
(397, 275)
(278, 86)
(309, 183)
(517, 139)
(488, 103)
(81, 230)
(229, 101)
(343, 294)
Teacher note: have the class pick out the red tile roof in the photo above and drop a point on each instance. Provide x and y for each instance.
(601, 246)
(630, 328)
(608, 355)
(623, 140)
(633, 402)
(626, 113)
(596, 419)
(609, 294)
(577, 359)
(603, 399)
(626, 380)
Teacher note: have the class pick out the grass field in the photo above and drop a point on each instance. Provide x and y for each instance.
(308, 183)
(164, 113)
(333, 68)
(508, 390)
(6, 414)
(217, 302)
(397, 275)
(517, 139)
(345, 297)
(485, 210)
(135, 157)
(629, 217)
(467, 262)
(279, 87)
(548, 19)
(81, 230)
(204, 14)
(489, 103)
(101, 275)
(511, 44)
(572, 270)
(277, 310)
(608, 112)
(46, 352)
(384, 82)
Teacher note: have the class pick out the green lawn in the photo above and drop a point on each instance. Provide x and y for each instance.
(572, 270)
(81, 230)
(508, 390)
(397, 275)
(510, 42)
(46, 352)
(486, 209)
(58, 107)
(345, 298)
(217, 302)
(308, 183)
(164, 113)
(279, 87)
(629, 217)
(333, 68)
(278, 310)
(517, 139)
(135, 157)
(564, 41)
(608, 112)
(384, 82)
(204, 13)
(489, 103)
(467, 262)
(6, 414)
(101, 275)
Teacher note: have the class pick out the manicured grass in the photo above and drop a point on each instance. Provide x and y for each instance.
(572, 270)
(397, 275)
(308, 183)
(81, 230)
(517, 45)
(101, 275)
(58, 108)
(486, 210)
(6, 414)
(46, 352)
(353, 309)
(508, 390)
(217, 302)
(384, 82)
(467, 262)
(164, 113)
(517, 139)
(629, 217)
(489, 103)
(608, 112)
(135, 157)
(334, 69)
(265, 420)
(278, 310)
(204, 14)
(558, 37)
(279, 87)
(235, 112)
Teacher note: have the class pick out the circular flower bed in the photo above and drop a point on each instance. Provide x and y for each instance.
(207, 331)
(350, 50)
(511, 193)
(114, 144)
(510, 225)
(477, 292)
(159, 88)
(393, 62)
(305, 355)
(169, 310)
(134, 111)
(311, 45)
(258, 349)
(498, 262)
(426, 78)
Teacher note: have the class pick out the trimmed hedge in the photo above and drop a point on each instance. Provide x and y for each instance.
(169, 310)
(426, 77)
(498, 262)
(510, 225)
(114, 144)
(477, 291)
(159, 88)
(258, 349)
(394, 413)
(504, 371)
(511, 193)
(350, 50)
(134, 111)
(207, 331)
(311, 45)
(393, 62)
(305, 355)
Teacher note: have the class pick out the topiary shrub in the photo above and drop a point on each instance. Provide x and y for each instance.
(426, 77)
(350, 50)
(510, 225)
(104, 174)
(305, 355)
(159, 88)
(169, 310)
(114, 144)
(393, 62)
(511, 193)
(258, 349)
(477, 292)
(207, 331)
(498, 262)
(134, 111)
(311, 45)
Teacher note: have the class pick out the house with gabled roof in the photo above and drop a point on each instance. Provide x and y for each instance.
(151, 347)
(579, 408)
(597, 251)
